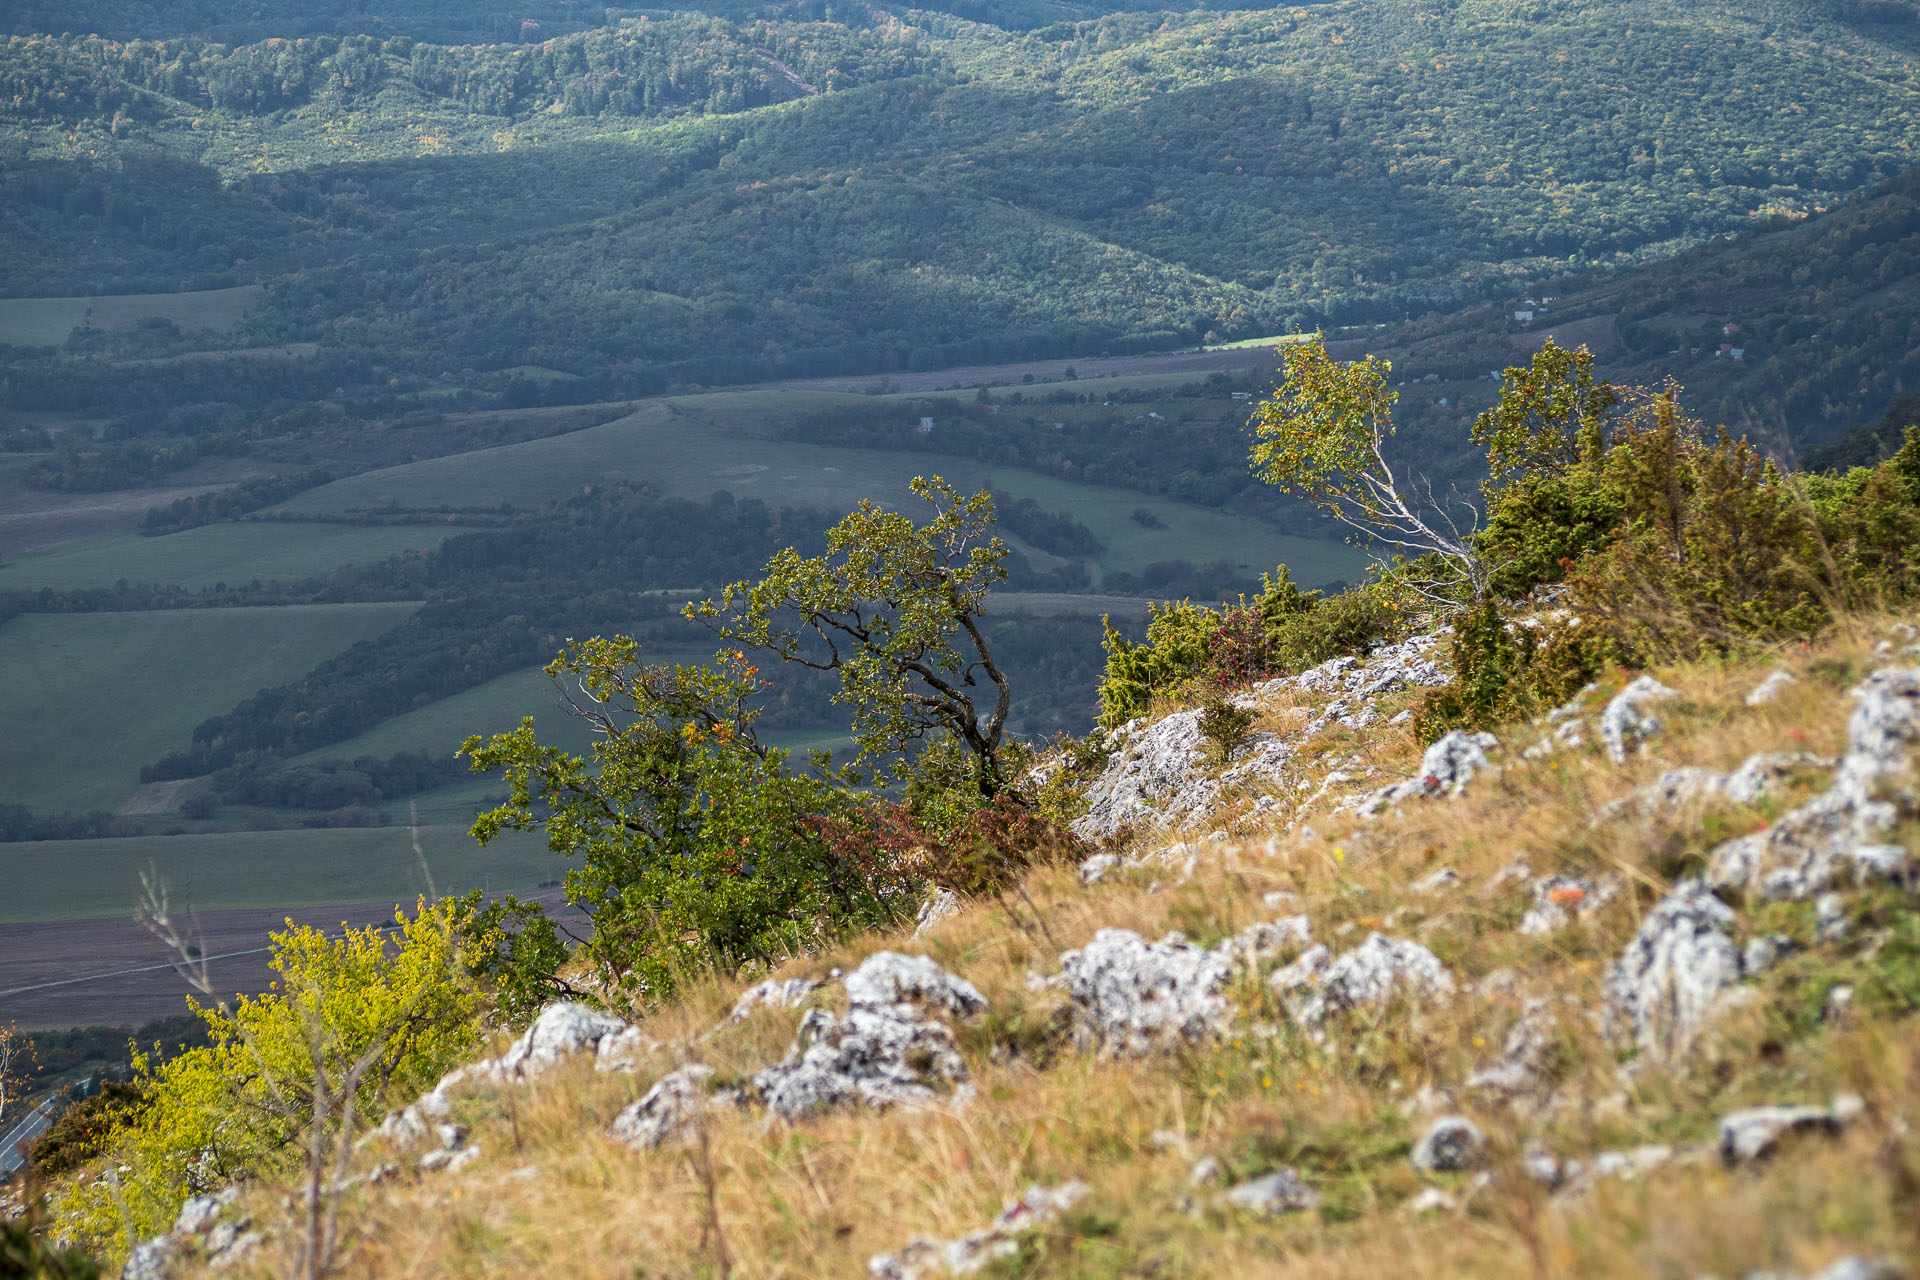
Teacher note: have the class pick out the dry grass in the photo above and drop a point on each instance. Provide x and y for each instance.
(552, 1194)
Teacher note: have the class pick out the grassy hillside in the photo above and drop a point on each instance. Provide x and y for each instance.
(46, 322)
(1596, 1157)
(89, 697)
(1824, 309)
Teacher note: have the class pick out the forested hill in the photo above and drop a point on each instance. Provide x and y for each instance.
(657, 199)
(1791, 333)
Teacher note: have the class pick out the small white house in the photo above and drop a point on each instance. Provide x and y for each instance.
(1523, 316)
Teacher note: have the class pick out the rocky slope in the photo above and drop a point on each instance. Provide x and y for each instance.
(1628, 991)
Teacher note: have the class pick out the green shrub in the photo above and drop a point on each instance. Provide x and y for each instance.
(82, 1131)
(1281, 629)
(513, 951)
(1503, 673)
(1176, 649)
(1869, 521)
(1225, 726)
(1346, 623)
(694, 845)
(1717, 549)
(392, 1000)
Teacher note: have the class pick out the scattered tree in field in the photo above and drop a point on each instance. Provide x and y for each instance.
(1322, 434)
(894, 607)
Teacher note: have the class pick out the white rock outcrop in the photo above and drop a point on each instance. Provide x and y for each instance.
(886, 1050)
(1662, 991)
(1627, 721)
(1755, 1133)
(1841, 830)
(924, 1259)
(1451, 1144)
(1526, 1055)
(1282, 1191)
(1772, 687)
(667, 1111)
(1132, 997)
(560, 1031)
(1559, 901)
(787, 993)
(1446, 768)
(1152, 766)
(1319, 984)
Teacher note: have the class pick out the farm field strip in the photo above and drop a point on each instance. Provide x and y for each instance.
(230, 870)
(236, 553)
(108, 692)
(655, 448)
(46, 322)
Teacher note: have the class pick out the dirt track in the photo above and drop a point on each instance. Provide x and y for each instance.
(125, 977)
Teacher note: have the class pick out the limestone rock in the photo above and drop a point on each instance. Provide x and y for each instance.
(1318, 985)
(449, 1161)
(1848, 1268)
(924, 1259)
(1281, 1191)
(1627, 720)
(1095, 868)
(884, 1051)
(773, 994)
(889, 978)
(1450, 1144)
(1803, 853)
(1756, 1132)
(1149, 768)
(1444, 878)
(1772, 687)
(1525, 1055)
(623, 1050)
(1132, 997)
(1560, 900)
(560, 1031)
(665, 1111)
(150, 1259)
(1259, 942)
(938, 906)
(199, 1213)
(1447, 767)
(1661, 992)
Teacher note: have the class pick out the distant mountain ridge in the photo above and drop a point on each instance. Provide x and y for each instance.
(651, 203)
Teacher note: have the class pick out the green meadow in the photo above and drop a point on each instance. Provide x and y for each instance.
(236, 554)
(701, 448)
(90, 697)
(90, 879)
(46, 322)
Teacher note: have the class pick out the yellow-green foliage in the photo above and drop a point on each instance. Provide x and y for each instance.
(238, 1107)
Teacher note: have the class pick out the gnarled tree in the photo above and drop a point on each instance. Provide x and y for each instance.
(894, 608)
(1322, 434)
